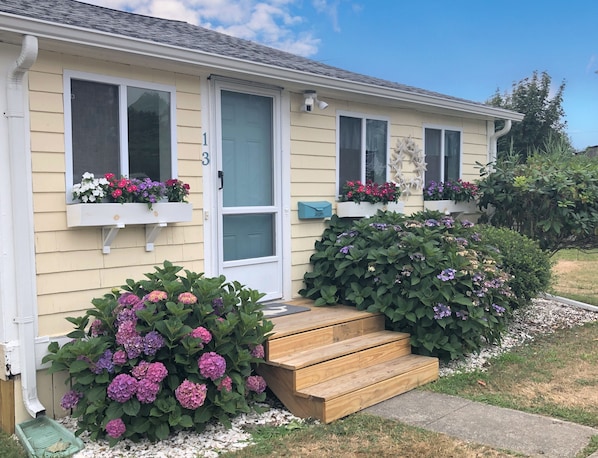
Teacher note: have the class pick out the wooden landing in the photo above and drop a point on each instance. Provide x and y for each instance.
(330, 362)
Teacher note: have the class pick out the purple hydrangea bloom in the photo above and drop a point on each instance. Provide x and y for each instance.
(211, 365)
(119, 357)
(129, 300)
(126, 331)
(218, 305)
(256, 383)
(134, 346)
(447, 274)
(441, 311)
(191, 395)
(147, 391)
(345, 249)
(152, 342)
(115, 428)
(140, 371)
(70, 399)
(97, 328)
(156, 372)
(104, 363)
(258, 351)
(122, 388)
(498, 309)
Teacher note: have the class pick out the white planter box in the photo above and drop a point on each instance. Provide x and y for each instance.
(78, 215)
(450, 207)
(365, 209)
(113, 217)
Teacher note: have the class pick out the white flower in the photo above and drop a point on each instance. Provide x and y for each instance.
(87, 176)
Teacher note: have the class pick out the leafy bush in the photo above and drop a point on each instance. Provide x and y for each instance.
(553, 198)
(522, 258)
(430, 275)
(163, 354)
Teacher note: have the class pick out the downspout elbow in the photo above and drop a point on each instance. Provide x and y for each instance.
(22, 220)
(494, 139)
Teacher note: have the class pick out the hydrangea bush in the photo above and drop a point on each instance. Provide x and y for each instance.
(432, 276)
(171, 352)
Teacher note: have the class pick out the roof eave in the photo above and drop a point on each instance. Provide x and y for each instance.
(97, 39)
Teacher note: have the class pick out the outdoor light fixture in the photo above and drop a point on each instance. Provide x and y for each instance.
(311, 99)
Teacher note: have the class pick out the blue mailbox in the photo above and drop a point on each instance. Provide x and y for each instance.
(315, 210)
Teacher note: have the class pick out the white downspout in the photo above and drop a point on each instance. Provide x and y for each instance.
(22, 220)
(492, 154)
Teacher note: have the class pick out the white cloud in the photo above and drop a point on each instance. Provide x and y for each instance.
(270, 22)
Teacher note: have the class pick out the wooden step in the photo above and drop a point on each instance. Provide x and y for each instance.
(353, 392)
(321, 332)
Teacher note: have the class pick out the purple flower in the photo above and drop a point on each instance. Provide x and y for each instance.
(448, 222)
(467, 223)
(345, 249)
(432, 222)
(104, 363)
(70, 399)
(191, 395)
(218, 305)
(152, 342)
(134, 346)
(115, 428)
(477, 277)
(447, 274)
(258, 351)
(379, 226)
(476, 237)
(122, 388)
(211, 365)
(256, 383)
(97, 328)
(226, 384)
(498, 309)
(140, 371)
(126, 331)
(202, 333)
(441, 311)
(156, 372)
(129, 300)
(462, 314)
(147, 391)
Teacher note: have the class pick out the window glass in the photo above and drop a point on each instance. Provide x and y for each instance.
(95, 128)
(443, 155)
(148, 120)
(359, 160)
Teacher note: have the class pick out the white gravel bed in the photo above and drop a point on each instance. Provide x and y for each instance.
(542, 317)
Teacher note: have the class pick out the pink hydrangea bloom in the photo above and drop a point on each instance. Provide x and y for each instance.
(115, 428)
(97, 328)
(156, 372)
(258, 351)
(122, 388)
(126, 331)
(187, 298)
(226, 384)
(202, 333)
(256, 383)
(157, 296)
(140, 370)
(129, 300)
(147, 391)
(191, 395)
(211, 365)
(119, 357)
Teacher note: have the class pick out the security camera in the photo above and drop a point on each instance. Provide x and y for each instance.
(309, 103)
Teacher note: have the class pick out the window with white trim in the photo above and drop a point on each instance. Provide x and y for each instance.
(362, 149)
(443, 154)
(119, 126)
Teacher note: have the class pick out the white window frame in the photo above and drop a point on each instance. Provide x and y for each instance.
(443, 129)
(122, 84)
(364, 117)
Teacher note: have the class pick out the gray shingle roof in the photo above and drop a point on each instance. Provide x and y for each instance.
(184, 35)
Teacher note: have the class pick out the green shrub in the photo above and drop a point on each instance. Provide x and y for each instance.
(167, 353)
(529, 266)
(10, 447)
(429, 274)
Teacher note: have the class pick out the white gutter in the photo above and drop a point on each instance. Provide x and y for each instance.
(109, 41)
(22, 220)
(492, 144)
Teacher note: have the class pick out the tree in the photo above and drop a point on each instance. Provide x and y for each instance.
(543, 115)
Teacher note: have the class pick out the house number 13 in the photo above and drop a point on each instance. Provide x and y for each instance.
(205, 156)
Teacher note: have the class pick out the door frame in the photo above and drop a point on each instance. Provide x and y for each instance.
(210, 90)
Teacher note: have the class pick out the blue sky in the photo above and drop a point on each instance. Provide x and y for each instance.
(463, 48)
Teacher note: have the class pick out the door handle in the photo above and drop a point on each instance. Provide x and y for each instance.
(221, 178)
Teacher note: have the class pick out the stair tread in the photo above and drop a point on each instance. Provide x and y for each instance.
(310, 357)
(361, 378)
(316, 318)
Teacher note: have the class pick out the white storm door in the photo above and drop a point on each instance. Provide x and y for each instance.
(249, 189)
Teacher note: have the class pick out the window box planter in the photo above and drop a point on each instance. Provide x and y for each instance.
(365, 209)
(111, 217)
(450, 207)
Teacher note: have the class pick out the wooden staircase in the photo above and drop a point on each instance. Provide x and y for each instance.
(330, 362)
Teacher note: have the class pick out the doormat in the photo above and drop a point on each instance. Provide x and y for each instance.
(277, 309)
